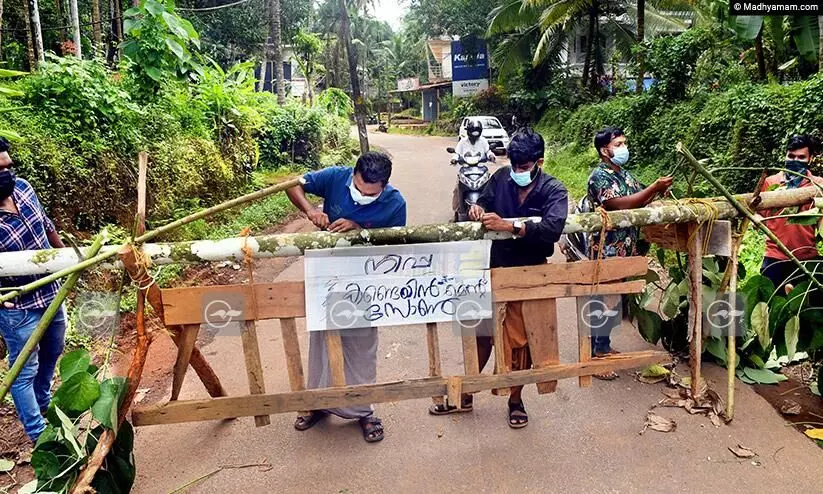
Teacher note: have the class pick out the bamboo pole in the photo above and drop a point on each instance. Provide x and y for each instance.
(152, 234)
(731, 352)
(62, 262)
(746, 213)
(45, 321)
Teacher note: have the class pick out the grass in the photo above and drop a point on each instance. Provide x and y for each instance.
(571, 166)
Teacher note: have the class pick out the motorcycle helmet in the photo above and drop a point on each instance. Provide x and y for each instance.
(474, 129)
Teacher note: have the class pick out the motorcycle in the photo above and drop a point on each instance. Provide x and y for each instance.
(472, 177)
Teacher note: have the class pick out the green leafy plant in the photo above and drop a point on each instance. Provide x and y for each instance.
(82, 408)
(158, 44)
(79, 92)
(10, 92)
(336, 102)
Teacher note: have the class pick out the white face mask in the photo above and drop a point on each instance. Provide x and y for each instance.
(359, 198)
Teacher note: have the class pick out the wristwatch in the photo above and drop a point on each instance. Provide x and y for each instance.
(518, 226)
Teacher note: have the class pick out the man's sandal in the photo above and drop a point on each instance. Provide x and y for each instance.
(517, 420)
(608, 375)
(446, 409)
(372, 428)
(306, 422)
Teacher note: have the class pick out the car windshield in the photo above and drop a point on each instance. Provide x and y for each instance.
(491, 123)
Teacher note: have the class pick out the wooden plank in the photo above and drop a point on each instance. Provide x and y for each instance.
(454, 388)
(500, 366)
(286, 299)
(291, 347)
(337, 366)
(471, 366)
(563, 291)
(676, 236)
(584, 343)
(185, 345)
(274, 301)
(540, 318)
(244, 406)
(696, 307)
(568, 273)
(433, 346)
(142, 173)
(254, 367)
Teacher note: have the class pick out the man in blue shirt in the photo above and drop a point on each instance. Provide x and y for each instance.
(25, 226)
(352, 199)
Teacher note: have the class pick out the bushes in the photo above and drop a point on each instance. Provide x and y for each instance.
(747, 125)
(295, 133)
(83, 130)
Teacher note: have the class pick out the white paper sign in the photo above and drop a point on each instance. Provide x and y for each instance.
(356, 287)
(461, 89)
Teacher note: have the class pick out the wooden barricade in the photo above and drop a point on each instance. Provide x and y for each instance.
(536, 287)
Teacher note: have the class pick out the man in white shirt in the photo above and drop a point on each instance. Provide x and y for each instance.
(474, 143)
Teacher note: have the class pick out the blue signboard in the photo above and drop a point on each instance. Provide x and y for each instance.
(470, 60)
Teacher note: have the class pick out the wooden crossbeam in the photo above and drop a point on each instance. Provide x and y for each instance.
(245, 406)
(287, 299)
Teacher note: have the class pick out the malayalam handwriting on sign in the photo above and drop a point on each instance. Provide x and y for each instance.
(361, 287)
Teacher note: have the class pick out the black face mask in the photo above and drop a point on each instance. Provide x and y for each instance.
(7, 180)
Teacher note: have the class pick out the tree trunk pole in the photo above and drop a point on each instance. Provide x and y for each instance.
(75, 28)
(1, 29)
(759, 55)
(45, 321)
(357, 96)
(63, 262)
(731, 339)
(276, 50)
(97, 28)
(696, 307)
(820, 44)
(641, 34)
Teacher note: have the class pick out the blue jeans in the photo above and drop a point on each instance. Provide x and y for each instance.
(32, 389)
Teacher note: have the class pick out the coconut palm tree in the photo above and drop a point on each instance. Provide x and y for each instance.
(536, 31)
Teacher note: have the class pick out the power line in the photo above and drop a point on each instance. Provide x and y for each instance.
(218, 7)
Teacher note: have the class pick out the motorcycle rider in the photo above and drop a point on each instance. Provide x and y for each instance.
(473, 143)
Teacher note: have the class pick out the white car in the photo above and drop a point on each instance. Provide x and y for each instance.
(493, 131)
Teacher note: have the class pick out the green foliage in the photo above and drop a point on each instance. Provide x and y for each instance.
(672, 60)
(226, 98)
(84, 93)
(747, 125)
(298, 134)
(336, 102)
(158, 43)
(81, 410)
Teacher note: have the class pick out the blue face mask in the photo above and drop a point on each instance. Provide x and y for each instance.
(798, 166)
(522, 178)
(621, 156)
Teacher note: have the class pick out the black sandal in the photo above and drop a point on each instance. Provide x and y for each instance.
(518, 421)
(446, 409)
(306, 422)
(372, 428)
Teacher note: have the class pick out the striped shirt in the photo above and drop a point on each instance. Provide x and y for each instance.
(26, 230)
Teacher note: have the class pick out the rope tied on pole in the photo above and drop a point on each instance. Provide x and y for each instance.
(605, 224)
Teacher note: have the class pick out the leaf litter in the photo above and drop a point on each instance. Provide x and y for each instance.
(657, 423)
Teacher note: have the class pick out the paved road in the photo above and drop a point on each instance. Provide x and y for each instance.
(579, 440)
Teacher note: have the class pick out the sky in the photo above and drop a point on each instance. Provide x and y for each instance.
(390, 11)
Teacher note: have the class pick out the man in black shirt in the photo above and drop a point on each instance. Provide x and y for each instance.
(519, 191)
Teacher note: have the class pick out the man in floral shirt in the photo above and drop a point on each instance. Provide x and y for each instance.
(612, 187)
